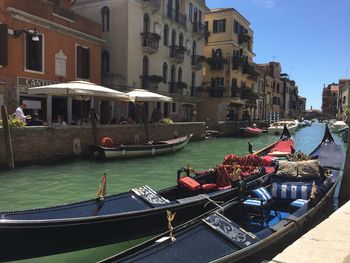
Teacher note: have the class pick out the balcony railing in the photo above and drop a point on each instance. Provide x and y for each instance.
(177, 87)
(217, 62)
(242, 38)
(216, 92)
(149, 42)
(198, 29)
(197, 62)
(238, 61)
(153, 4)
(150, 82)
(177, 16)
(177, 53)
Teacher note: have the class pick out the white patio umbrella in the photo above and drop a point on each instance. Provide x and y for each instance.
(141, 95)
(79, 90)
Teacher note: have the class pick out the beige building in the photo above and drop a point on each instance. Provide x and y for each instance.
(230, 77)
(344, 98)
(155, 45)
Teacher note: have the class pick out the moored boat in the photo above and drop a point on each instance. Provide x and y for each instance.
(251, 132)
(120, 217)
(109, 150)
(277, 127)
(263, 219)
(338, 125)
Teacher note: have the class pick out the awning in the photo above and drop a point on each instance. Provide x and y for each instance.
(141, 95)
(80, 89)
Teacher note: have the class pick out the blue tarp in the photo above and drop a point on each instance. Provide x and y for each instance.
(331, 155)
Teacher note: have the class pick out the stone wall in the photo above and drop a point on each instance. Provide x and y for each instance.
(35, 144)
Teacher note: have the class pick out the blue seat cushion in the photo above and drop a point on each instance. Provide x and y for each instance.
(299, 203)
(262, 193)
(291, 190)
(254, 202)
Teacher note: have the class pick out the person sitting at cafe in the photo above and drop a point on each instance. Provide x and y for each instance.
(35, 120)
(60, 121)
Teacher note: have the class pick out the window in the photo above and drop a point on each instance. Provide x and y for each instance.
(3, 45)
(105, 14)
(174, 108)
(173, 37)
(34, 53)
(145, 66)
(190, 11)
(83, 62)
(219, 26)
(166, 35)
(172, 73)
(105, 62)
(146, 23)
(179, 75)
(165, 73)
(181, 40)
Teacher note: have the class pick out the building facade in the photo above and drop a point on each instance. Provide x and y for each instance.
(230, 76)
(343, 100)
(330, 96)
(155, 45)
(45, 43)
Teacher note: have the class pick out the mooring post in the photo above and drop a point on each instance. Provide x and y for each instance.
(7, 137)
(344, 194)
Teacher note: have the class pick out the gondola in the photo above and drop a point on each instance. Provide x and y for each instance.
(116, 218)
(139, 150)
(259, 221)
(251, 132)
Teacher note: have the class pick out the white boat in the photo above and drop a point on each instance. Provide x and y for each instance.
(276, 128)
(338, 125)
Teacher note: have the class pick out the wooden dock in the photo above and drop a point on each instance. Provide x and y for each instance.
(327, 242)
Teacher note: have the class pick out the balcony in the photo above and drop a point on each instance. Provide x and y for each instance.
(249, 95)
(198, 29)
(150, 82)
(217, 62)
(177, 87)
(154, 5)
(175, 15)
(216, 92)
(250, 70)
(197, 62)
(238, 61)
(244, 38)
(149, 42)
(177, 54)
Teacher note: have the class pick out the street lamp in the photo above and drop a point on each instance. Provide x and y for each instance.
(18, 32)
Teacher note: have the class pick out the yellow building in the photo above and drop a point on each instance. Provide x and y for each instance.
(230, 77)
(152, 44)
(344, 99)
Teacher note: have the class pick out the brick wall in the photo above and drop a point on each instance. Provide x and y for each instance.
(35, 144)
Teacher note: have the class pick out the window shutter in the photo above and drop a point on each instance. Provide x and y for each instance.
(79, 62)
(86, 63)
(224, 25)
(3, 44)
(215, 26)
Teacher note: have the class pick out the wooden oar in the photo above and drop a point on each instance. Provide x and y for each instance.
(266, 147)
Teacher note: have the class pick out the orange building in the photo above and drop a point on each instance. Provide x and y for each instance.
(44, 42)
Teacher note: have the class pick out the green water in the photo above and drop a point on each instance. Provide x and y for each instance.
(46, 185)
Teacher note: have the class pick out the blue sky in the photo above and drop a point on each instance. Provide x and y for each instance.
(310, 38)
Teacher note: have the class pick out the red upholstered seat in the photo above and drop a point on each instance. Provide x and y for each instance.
(189, 183)
(208, 187)
(282, 148)
(269, 169)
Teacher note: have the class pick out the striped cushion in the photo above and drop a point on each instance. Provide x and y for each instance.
(299, 203)
(291, 190)
(253, 202)
(262, 193)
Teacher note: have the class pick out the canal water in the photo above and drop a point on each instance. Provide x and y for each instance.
(64, 182)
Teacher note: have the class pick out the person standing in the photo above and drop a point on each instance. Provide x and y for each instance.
(19, 112)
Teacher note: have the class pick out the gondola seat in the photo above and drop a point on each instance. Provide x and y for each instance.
(259, 204)
(298, 203)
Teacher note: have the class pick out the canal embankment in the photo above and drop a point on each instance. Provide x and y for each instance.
(328, 242)
(43, 143)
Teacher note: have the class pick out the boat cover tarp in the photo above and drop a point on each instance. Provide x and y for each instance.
(331, 155)
(283, 146)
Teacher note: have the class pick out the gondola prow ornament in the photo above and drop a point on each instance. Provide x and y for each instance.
(102, 188)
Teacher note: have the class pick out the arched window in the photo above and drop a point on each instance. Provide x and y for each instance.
(179, 75)
(218, 52)
(193, 84)
(173, 37)
(105, 59)
(165, 72)
(181, 40)
(105, 14)
(166, 35)
(145, 71)
(172, 74)
(146, 23)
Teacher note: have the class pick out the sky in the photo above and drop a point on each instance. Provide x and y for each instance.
(310, 38)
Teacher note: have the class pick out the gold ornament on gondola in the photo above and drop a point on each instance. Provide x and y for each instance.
(101, 192)
(170, 217)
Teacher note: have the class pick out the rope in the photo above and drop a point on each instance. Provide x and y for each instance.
(213, 202)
